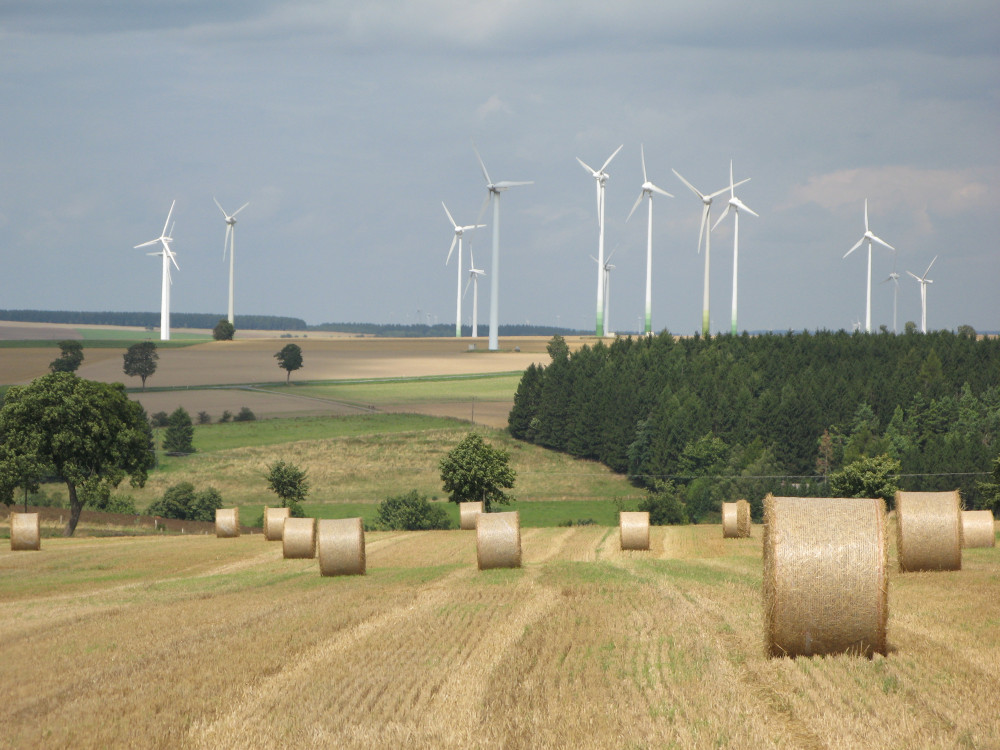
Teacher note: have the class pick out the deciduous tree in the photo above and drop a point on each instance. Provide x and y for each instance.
(140, 360)
(474, 471)
(289, 359)
(84, 432)
(289, 483)
(70, 359)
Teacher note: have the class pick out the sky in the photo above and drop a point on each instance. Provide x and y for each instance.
(345, 125)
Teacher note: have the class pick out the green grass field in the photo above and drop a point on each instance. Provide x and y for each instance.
(418, 390)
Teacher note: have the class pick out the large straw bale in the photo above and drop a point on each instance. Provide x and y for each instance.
(929, 530)
(227, 522)
(977, 529)
(274, 522)
(468, 513)
(498, 540)
(825, 576)
(298, 539)
(736, 520)
(25, 532)
(341, 546)
(633, 529)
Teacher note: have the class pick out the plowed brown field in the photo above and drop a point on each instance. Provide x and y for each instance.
(203, 642)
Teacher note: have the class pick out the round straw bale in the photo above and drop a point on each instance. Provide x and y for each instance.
(498, 540)
(633, 529)
(929, 530)
(340, 546)
(977, 529)
(742, 518)
(729, 524)
(468, 513)
(298, 539)
(825, 581)
(274, 522)
(227, 522)
(25, 531)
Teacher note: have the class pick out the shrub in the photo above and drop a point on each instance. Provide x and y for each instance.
(410, 512)
(664, 505)
(182, 502)
(159, 419)
(180, 432)
(245, 415)
(223, 330)
(204, 417)
(226, 416)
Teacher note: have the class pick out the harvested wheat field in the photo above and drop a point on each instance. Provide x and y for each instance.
(196, 642)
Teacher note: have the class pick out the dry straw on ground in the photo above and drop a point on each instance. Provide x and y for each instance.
(341, 546)
(977, 529)
(227, 522)
(468, 513)
(825, 576)
(633, 529)
(498, 540)
(274, 522)
(929, 530)
(25, 531)
(298, 540)
(736, 520)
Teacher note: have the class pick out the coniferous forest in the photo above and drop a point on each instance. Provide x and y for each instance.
(714, 419)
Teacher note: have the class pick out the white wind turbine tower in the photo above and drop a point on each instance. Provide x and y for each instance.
(924, 281)
(459, 231)
(704, 230)
(608, 267)
(735, 204)
(229, 244)
(894, 278)
(164, 241)
(495, 188)
(474, 274)
(601, 178)
(870, 237)
(648, 188)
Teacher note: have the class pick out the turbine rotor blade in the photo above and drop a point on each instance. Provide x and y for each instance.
(866, 214)
(453, 222)
(454, 240)
(642, 154)
(882, 242)
(635, 206)
(694, 190)
(169, 214)
(482, 164)
(659, 190)
(929, 267)
(220, 206)
(856, 246)
(612, 157)
(743, 207)
(240, 208)
(724, 215)
(586, 166)
(915, 276)
(704, 222)
(504, 184)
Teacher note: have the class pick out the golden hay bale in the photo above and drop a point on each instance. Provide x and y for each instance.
(742, 518)
(298, 538)
(633, 529)
(825, 576)
(729, 524)
(227, 522)
(274, 522)
(977, 529)
(25, 531)
(929, 530)
(468, 512)
(340, 546)
(498, 540)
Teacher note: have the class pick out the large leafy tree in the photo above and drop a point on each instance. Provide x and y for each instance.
(288, 482)
(289, 358)
(867, 477)
(86, 433)
(70, 357)
(474, 471)
(224, 330)
(140, 361)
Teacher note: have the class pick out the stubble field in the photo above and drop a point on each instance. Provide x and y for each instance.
(201, 642)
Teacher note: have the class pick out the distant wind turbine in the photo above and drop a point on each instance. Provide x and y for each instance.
(648, 188)
(735, 204)
(704, 230)
(164, 241)
(607, 268)
(474, 274)
(870, 237)
(459, 231)
(494, 189)
(229, 244)
(601, 179)
(924, 281)
(894, 278)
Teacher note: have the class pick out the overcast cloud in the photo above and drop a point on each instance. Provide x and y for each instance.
(346, 124)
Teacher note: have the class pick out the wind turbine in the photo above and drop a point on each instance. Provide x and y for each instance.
(648, 188)
(494, 189)
(229, 243)
(607, 268)
(164, 241)
(601, 178)
(735, 204)
(704, 230)
(894, 278)
(474, 274)
(924, 281)
(459, 231)
(870, 236)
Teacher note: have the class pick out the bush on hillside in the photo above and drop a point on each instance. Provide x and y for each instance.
(410, 512)
(664, 504)
(182, 502)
